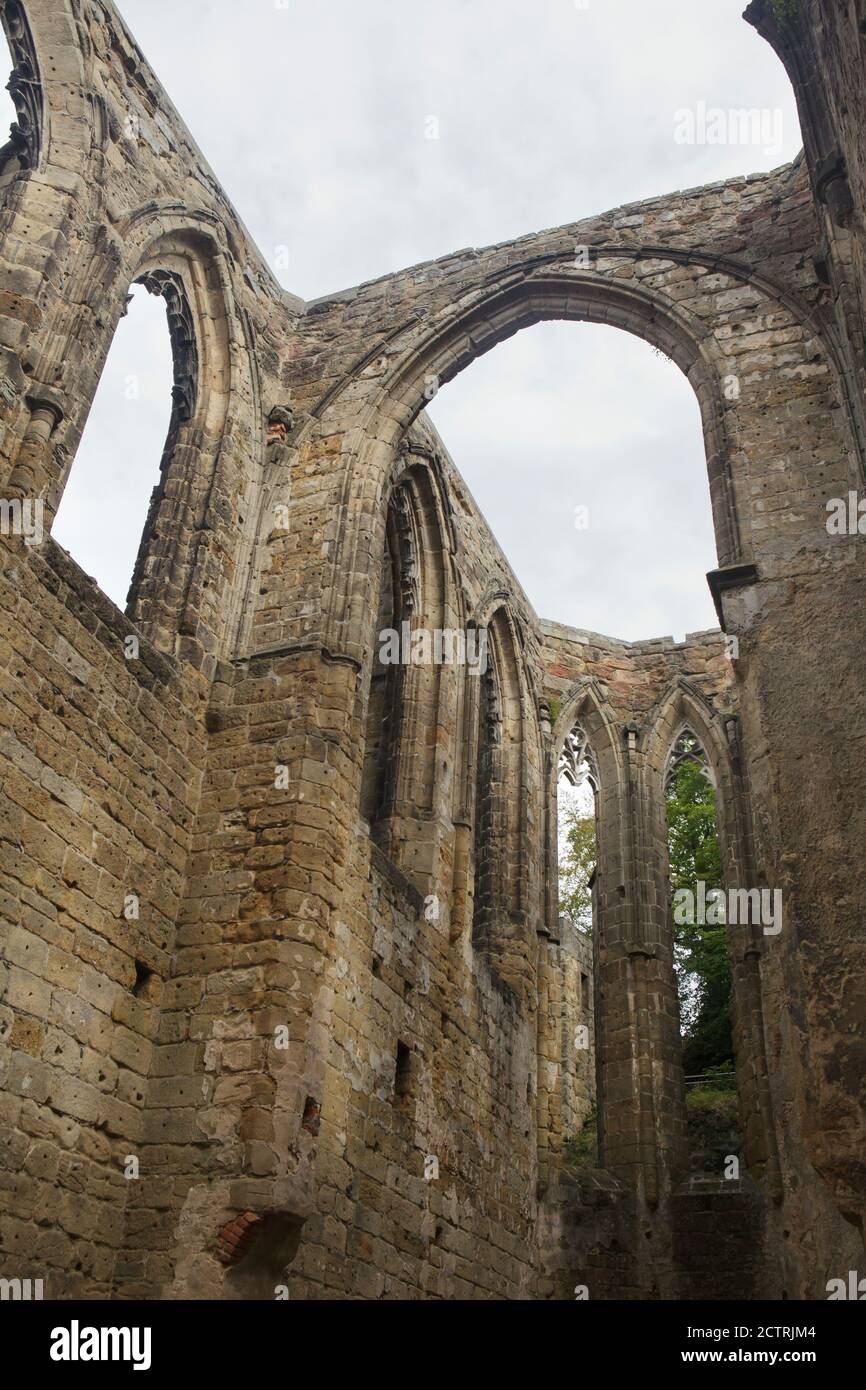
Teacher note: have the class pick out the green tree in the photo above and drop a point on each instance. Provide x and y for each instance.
(700, 951)
(576, 863)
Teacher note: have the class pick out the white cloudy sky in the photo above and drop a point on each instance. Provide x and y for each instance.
(313, 114)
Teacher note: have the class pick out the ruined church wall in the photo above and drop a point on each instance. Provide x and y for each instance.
(104, 749)
(101, 765)
(253, 1084)
(294, 917)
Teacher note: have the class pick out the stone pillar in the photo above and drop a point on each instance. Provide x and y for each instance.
(642, 1127)
(32, 472)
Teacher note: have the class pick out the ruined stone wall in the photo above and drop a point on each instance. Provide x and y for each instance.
(329, 1075)
(104, 743)
(102, 761)
(822, 44)
(402, 1047)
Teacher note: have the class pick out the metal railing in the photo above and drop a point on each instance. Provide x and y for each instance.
(709, 1079)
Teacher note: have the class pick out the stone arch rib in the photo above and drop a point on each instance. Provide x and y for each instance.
(177, 567)
(441, 351)
(27, 136)
(402, 782)
(500, 919)
(169, 285)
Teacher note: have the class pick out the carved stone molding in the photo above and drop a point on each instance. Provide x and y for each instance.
(491, 712)
(407, 565)
(576, 760)
(833, 188)
(182, 333)
(688, 748)
(24, 86)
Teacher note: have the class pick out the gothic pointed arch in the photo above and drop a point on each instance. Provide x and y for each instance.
(182, 571)
(686, 726)
(584, 732)
(687, 749)
(417, 662)
(385, 701)
(501, 914)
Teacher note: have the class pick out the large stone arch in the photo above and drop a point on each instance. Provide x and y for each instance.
(365, 414)
(486, 318)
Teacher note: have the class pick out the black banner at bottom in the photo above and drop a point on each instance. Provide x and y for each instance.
(82, 1339)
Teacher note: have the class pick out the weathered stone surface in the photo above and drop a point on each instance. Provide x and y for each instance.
(284, 995)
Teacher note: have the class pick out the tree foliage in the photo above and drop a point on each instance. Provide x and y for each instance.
(700, 951)
(576, 863)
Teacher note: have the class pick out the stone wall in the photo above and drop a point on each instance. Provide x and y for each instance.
(102, 761)
(261, 1031)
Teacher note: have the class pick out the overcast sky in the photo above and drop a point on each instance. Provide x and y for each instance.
(315, 116)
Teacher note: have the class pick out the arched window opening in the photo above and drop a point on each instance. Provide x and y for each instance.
(397, 603)
(21, 100)
(405, 782)
(584, 448)
(577, 854)
(146, 392)
(499, 918)
(577, 785)
(488, 790)
(701, 954)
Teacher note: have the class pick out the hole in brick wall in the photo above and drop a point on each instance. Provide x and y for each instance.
(377, 965)
(145, 981)
(312, 1115)
(258, 1248)
(403, 1072)
(236, 1238)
